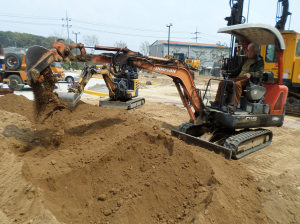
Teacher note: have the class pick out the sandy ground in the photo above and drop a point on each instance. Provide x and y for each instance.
(99, 165)
(277, 167)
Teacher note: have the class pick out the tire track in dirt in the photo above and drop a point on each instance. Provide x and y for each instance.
(277, 167)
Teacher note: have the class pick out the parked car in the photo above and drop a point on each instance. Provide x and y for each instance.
(71, 77)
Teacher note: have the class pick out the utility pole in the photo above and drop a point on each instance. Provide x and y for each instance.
(169, 37)
(196, 34)
(76, 43)
(15, 42)
(68, 26)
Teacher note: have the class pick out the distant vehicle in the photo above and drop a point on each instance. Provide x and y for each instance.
(71, 77)
(58, 70)
(14, 69)
(192, 62)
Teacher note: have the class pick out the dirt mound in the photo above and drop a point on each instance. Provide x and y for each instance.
(100, 165)
(17, 104)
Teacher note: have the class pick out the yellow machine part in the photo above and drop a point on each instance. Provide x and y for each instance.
(291, 57)
(136, 87)
(195, 63)
(22, 74)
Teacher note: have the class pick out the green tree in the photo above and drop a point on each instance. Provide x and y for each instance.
(26, 40)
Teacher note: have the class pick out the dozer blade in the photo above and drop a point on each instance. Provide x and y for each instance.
(70, 98)
(127, 105)
(191, 140)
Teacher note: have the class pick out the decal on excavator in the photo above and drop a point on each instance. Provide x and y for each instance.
(243, 120)
(165, 69)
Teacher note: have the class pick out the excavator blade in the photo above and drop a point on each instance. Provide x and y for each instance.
(71, 99)
(191, 140)
(128, 105)
(236, 146)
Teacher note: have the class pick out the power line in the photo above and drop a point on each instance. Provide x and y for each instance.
(68, 26)
(43, 24)
(134, 35)
(196, 34)
(84, 28)
(101, 24)
(126, 34)
(98, 24)
(124, 27)
(29, 17)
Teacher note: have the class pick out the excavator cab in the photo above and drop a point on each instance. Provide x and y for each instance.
(238, 132)
(255, 98)
(251, 99)
(180, 56)
(129, 88)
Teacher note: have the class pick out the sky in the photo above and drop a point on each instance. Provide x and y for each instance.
(136, 21)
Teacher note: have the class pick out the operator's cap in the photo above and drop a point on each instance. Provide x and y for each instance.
(37, 59)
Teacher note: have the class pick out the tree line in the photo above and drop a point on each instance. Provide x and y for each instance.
(25, 40)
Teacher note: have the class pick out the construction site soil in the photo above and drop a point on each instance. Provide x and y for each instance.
(104, 165)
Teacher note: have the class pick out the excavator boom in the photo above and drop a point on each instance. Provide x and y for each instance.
(179, 72)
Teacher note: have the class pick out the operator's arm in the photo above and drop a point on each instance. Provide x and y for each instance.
(235, 72)
(259, 69)
(130, 69)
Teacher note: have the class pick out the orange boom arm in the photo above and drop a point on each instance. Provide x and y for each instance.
(179, 72)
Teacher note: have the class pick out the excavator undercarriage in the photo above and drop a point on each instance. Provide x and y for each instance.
(226, 142)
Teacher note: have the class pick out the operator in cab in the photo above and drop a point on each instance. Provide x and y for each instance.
(130, 73)
(252, 67)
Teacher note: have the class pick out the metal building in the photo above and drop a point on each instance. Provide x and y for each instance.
(205, 52)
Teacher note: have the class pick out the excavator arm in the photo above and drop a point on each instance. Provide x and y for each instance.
(182, 78)
(178, 71)
(282, 14)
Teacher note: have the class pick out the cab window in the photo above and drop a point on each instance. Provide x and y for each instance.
(52, 65)
(298, 49)
(58, 64)
(271, 54)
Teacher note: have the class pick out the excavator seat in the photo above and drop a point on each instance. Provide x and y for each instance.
(124, 81)
(255, 92)
(251, 99)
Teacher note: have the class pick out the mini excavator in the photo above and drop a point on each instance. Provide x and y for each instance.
(121, 93)
(231, 133)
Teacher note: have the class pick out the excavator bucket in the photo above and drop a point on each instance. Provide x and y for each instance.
(70, 99)
(37, 59)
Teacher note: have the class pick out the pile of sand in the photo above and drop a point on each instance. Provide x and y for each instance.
(105, 165)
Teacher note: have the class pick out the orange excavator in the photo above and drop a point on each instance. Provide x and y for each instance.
(230, 133)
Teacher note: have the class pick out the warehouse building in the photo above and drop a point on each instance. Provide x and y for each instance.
(206, 52)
